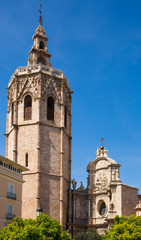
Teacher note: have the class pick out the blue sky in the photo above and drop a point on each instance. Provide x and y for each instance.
(97, 44)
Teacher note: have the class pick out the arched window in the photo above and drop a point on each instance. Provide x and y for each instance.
(28, 108)
(50, 108)
(41, 45)
(102, 208)
(26, 159)
(65, 117)
(41, 60)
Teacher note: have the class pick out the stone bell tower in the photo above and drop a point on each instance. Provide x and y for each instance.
(38, 133)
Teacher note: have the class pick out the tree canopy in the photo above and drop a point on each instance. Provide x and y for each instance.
(88, 236)
(125, 229)
(40, 229)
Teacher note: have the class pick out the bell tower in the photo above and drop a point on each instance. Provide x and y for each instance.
(38, 133)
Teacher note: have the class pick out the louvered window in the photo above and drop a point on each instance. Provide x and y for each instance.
(41, 60)
(41, 45)
(28, 108)
(50, 108)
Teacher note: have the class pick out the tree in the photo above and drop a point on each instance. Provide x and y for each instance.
(88, 236)
(40, 229)
(125, 229)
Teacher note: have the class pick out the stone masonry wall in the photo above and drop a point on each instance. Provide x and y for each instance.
(27, 143)
(129, 200)
(29, 194)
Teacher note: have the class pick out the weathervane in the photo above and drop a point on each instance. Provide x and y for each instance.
(40, 11)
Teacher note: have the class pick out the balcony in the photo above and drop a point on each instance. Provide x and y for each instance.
(10, 216)
(11, 195)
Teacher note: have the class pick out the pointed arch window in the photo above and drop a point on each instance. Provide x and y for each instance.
(26, 159)
(28, 108)
(50, 108)
(41, 60)
(41, 46)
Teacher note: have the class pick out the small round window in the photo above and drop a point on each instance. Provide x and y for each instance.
(102, 208)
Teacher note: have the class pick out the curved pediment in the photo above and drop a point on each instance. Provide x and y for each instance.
(102, 161)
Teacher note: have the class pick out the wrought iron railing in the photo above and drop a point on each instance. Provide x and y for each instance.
(11, 195)
(10, 216)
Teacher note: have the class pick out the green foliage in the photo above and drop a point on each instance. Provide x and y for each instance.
(40, 229)
(125, 229)
(88, 236)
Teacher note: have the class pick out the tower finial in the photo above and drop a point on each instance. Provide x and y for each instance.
(40, 11)
(102, 144)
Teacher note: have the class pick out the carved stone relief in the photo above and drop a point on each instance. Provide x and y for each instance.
(113, 174)
(83, 212)
(90, 166)
(101, 181)
(101, 164)
(67, 98)
(117, 173)
(28, 84)
(49, 86)
(74, 184)
(81, 188)
(10, 94)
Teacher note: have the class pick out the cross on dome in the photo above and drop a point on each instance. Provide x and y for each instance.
(40, 11)
(102, 144)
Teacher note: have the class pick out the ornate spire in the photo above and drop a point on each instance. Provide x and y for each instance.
(40, 11)
(39, 53)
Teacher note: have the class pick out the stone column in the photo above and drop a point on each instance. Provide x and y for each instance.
(61, 156)
(7, 131)
(39, 143)
(15, 130)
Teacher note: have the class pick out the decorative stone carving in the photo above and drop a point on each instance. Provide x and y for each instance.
(112, 206)
(81, 187)
(49, 85)
(101, 164)
(74, 183)
(10, 94)
(113, 174)
(67, 97)
(28, 84)
(98, 152)
(117, 174)
(105, 152)
(90, 166)
(101, 152)
(101, 181)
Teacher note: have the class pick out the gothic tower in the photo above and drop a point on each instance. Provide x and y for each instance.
(38, 133)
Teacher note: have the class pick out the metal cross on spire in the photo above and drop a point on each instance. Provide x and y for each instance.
(102, 143)
(40, 11)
